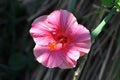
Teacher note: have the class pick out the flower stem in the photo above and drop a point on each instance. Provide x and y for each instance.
(99, 28)
(80, 68)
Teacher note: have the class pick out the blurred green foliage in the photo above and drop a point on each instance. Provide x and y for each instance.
(117, 3)
(111, 3)
(108, 3)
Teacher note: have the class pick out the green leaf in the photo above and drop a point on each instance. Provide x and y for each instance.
(17, 61)
(100, 27)
(108, 3)
(117, 3)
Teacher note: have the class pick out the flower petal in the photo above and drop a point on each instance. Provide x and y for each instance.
(81, 38)
(83, 47)
(61, 19)
(40, 31)
(67, 19)
(68, 62)
(54, 60)
(39, 19)
(54, 19)
(80, 33)
(73, 53)
(48, 58)
(41, 53)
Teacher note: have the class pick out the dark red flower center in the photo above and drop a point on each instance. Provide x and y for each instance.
(62, 39)
(58, 39)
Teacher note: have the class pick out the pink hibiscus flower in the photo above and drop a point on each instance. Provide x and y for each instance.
(60, 40)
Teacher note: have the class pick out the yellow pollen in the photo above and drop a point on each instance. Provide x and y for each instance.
(52, 46)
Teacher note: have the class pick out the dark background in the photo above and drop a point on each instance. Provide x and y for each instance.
(17, 61)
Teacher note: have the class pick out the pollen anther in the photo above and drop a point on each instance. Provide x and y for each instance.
(52, 45)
